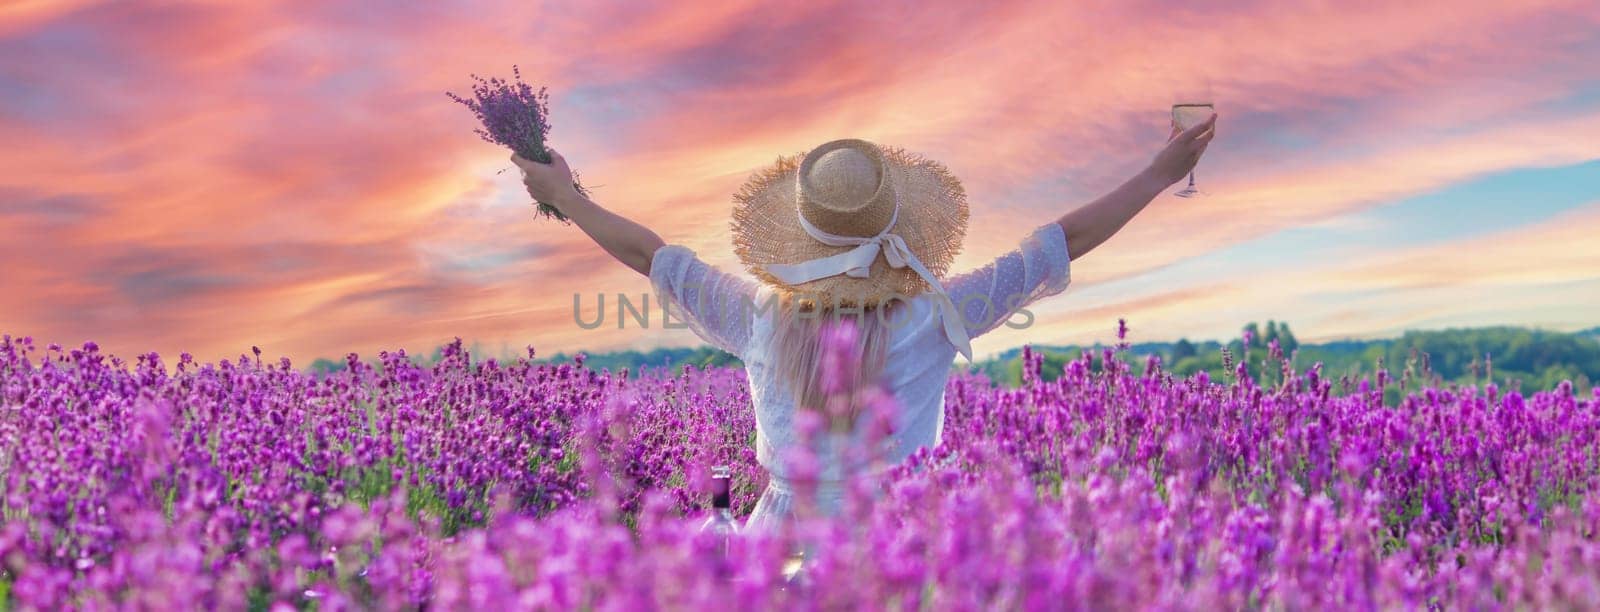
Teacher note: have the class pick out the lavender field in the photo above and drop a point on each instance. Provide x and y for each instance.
(157, 484)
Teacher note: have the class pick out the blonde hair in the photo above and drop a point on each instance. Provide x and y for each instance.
(797, 355)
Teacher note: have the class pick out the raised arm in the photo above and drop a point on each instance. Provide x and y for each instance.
(629, 242)
(1088, 226)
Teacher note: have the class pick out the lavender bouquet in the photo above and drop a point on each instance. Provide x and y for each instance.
(516, 116)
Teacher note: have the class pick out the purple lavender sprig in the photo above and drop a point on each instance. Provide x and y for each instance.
(516, 116)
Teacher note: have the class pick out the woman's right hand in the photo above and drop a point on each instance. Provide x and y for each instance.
(550, 183)
(1183, 151)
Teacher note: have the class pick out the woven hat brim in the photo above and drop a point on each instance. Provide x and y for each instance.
(932, 221)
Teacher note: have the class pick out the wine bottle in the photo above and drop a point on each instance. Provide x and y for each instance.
(721, 524)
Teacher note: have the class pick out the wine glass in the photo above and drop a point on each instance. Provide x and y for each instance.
(1185, 116)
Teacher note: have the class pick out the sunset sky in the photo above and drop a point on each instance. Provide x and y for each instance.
(205, 177)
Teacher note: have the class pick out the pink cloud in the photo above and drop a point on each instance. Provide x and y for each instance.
(294, 176)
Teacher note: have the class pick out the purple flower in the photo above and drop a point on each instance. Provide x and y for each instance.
(520, 484)
(512, 114)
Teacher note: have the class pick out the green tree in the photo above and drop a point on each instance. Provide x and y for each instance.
(1286, 339)
(324, 366)
(1183, 348)
(1254, 331)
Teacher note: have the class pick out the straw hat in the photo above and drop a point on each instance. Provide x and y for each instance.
(849, 189)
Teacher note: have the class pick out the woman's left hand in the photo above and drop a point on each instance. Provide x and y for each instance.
(549, 183)
(1183, 151)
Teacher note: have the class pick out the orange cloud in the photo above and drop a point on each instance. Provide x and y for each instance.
(1546, 273)
(21, 15)
(1560, 249)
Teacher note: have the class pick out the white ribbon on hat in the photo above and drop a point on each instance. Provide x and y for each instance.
(857, 263)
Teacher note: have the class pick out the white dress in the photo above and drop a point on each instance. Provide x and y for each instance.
(718, 307)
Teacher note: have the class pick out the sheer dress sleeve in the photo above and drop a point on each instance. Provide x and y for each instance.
(715, 305)
(1037, 269)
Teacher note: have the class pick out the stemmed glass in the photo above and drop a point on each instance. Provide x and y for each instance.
(1185, 116)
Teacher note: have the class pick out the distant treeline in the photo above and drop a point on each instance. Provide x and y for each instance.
(661, 359)
(636, 362)
(1538, 359)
